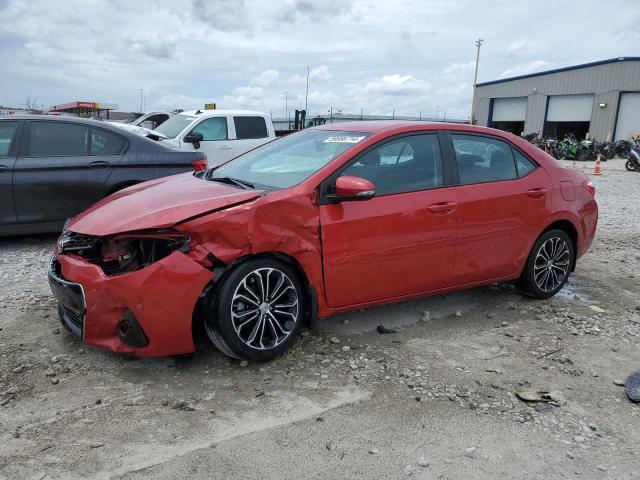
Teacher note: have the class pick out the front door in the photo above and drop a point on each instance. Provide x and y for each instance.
(402, 241)
(503, 204)
(215, 143)
(9, 139)
(57, 176)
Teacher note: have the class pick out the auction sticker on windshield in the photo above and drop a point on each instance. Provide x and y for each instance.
(344, 139)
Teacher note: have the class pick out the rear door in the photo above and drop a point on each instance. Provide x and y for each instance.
(62, 169)
(402, 241)
(503, 206)
(250, 132)
(9, 141)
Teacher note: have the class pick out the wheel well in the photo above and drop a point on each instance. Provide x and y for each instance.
(309, 292)
(567, 227)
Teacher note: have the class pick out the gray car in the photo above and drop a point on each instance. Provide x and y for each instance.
(52, 168)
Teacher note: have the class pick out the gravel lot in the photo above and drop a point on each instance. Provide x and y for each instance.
(436, 399)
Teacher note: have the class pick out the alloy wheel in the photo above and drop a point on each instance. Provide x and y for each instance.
(264, 308)
(551, 264)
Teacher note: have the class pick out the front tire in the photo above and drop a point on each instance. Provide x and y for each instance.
(630, 165)
(549, 265)
(257, 311)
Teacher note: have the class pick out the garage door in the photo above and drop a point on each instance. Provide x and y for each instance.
(628, 124)
(570, 108)
(509, 109)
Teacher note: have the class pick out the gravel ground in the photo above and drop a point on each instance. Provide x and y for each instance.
(436, 399)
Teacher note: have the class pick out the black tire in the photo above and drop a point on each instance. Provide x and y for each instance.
(537, 265)
(232, 335)
(609, 154)
(630, 165)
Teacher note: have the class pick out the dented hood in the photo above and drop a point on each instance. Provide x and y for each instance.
(159, 203)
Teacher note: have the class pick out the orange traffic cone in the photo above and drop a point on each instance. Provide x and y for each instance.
(597, 170)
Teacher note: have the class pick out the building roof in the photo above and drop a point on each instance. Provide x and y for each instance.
(564, 69)
(83, 105)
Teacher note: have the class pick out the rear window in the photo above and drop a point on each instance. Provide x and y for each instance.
(250, 127)
(58, 139)
(105, 143)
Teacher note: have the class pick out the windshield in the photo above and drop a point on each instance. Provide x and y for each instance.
(288, 161)
(173, 126)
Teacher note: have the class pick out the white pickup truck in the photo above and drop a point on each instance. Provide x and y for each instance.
(221, 134)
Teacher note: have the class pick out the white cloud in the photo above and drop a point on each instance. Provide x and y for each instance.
(523, 48)
(266, 79)
(396, 84)
(407, 55)
(529, 67)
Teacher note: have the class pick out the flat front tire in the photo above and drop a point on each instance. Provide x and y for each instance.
(549, 265)
(257, 311)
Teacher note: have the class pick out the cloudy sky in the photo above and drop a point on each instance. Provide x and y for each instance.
(379, 56)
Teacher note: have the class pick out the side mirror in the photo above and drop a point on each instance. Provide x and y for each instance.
(350, 188)
(193, 137)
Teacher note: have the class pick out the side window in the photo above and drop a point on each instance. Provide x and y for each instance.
(7, 131)
(250, 127)
(523, 164)
(55, 138)
(105, 143)
(214, 128)
(483, 159)
(407, 164)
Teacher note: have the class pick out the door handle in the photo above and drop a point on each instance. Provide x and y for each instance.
(225, 147)
(99, 164)
(537, 192)
(444, 208)
(4, 168)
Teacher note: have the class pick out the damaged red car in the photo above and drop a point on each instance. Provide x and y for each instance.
(329, 219)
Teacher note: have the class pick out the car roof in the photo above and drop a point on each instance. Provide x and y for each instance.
(56, 118)
(218, 113)
(393, 126)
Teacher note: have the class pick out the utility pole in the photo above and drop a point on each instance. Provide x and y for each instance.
(437, 113)
(140, 100)
(420, 114)
(475, 81)
(361, 112)
(306, 95)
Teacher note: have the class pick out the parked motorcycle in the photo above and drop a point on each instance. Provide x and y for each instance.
(633, 162)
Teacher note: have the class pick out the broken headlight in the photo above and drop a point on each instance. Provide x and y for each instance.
(128, 252)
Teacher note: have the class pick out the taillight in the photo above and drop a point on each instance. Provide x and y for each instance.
(199, 165)
(589, 187)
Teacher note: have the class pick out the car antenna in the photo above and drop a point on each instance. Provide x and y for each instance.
(198, 112)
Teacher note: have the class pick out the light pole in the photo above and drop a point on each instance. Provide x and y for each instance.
(437, 113)
(286, 107)
(140, 100)
(306, 95)
(475, 80)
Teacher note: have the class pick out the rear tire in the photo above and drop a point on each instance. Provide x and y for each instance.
(630, 165)
(549, 265)
(257, 311)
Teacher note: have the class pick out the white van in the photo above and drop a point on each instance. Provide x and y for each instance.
(221, 134)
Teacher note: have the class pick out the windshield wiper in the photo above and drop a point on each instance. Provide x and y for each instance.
(233, 181)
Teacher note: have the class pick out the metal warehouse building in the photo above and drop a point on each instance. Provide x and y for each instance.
(599, 98)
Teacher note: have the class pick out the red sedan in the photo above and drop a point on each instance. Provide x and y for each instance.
(329, 219)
